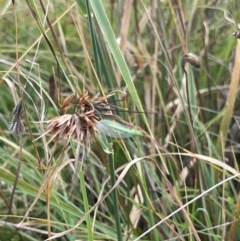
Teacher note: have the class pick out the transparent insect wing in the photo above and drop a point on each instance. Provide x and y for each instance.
(115, 129)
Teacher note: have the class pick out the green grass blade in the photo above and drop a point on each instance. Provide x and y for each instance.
(114, 195)
(117, 55)
(86, 205)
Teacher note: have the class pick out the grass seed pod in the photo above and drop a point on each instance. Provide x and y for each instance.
(192, 59)
(236, 34)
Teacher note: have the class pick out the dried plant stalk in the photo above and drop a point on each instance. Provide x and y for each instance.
(194, 61)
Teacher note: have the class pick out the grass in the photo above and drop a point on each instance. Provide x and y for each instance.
(172, 178)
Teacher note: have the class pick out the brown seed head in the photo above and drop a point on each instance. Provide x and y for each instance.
(191, 59)
(17, 126)
(76, 126)
(65, 104)
(81, 124)
(237, 33)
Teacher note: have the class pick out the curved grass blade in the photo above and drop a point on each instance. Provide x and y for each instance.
(116, 130)
(105, 26)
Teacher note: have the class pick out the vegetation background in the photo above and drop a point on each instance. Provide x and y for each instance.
(180, 180)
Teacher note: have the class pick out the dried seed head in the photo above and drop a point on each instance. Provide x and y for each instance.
(65, 104)
(17, 126)
(83, 123)
(17, 110)
(191, 59)
(80, 117)
(67, 126)
(237, 33)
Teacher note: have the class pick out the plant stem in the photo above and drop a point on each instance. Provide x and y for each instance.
(86, 205)
(188, 101)
(114, 195)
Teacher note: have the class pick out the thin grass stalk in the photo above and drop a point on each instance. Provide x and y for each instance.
(155, 82)
(149, 206)
(122, 175)
(188, 98)
(232, 232)
(20, 139)
(187, 204)
(114, 195)
(52, 31)
(48, 197)
(104, 58)
(41, 29)
(86, 205)
(193, 90)
(230, 102)
(106, 66)
(144, 187)
(200, 102)
(124, 32)
(201, 180)
(108, 33)
(163, 84)
(94, 41)
(117, 55)
(35, 43)
(176, 22)
(79, 28)
(65, 61)
(170, 72)
(223, 215)
(16, 176)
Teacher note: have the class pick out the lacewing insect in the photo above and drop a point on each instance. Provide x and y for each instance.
(113, 129)
(116, 130)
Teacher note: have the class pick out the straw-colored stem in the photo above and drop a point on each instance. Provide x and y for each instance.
(230, 102)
